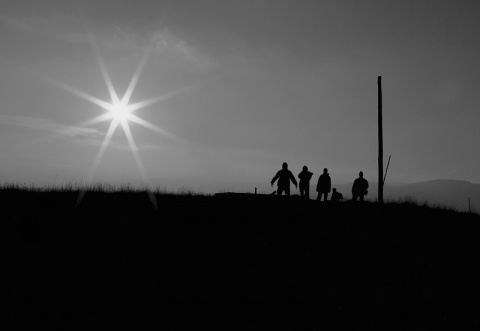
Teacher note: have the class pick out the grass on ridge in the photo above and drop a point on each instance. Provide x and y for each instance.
(75, 187)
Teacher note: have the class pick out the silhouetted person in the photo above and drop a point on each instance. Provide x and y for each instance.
(336, 196)
(284, 177)
(304, 183)
(324, 185)
(359, 188)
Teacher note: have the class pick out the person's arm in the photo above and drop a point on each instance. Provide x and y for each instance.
(275, 178)
(292, 177)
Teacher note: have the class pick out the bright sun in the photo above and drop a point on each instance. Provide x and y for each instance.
(119, 111)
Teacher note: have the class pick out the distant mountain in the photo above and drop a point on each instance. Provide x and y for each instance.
(442, 192)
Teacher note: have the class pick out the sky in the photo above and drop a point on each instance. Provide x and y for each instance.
(229, 90)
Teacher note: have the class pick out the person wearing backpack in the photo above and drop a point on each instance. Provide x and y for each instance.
(304, 183)
(359, 188)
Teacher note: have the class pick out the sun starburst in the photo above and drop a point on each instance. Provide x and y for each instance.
(120, 112)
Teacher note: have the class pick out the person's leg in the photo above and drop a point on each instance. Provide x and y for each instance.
(307, 192)
(325, 196)
(302, 191)
(287, 190)
(361, 197)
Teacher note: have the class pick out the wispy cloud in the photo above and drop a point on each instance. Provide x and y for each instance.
(59, 27)
(49, 126)
(167, 47)
(168, 44)
(83, 135)
(71, 29)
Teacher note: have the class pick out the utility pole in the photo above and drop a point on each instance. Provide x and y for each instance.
(380, 142)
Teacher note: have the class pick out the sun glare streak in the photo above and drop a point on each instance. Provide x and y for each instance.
(103, 147)
(103, 69)
(97, 119)
(136, 75)
(83, 95)
(138, 160)
(134, 149)
(142, 104)
(98, 157)
(152, 127)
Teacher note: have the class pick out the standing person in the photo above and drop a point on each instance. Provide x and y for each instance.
(324, 185)
(284, 177)
(304, 183)
(359, 188)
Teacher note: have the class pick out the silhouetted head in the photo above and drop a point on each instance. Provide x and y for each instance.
(360, 173)
(334, 189)
(305, 168)
(284, 165)
(325, 170)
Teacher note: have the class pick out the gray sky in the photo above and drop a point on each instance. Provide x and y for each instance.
(246, 85)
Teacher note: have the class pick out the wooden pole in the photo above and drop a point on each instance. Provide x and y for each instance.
(380, 142)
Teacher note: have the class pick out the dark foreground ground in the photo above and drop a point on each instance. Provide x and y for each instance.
(236, 262)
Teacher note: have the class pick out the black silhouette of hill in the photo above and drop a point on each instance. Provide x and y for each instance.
(235, 262)
(441, 192)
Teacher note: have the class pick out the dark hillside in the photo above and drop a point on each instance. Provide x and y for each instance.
(236, 261)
